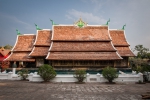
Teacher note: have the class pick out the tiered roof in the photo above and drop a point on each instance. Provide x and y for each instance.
(72, 42)
(22, 48)
(42, 43)
(88, 33)
(120, 43)
(88, 43)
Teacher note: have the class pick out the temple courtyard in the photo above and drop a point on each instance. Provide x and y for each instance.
(25, 90)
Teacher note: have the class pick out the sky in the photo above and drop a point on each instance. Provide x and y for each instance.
(22, 14)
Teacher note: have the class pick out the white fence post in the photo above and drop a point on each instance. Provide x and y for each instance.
(87, 77)
(98, 77)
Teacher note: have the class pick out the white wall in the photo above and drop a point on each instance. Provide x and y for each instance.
(34, 77)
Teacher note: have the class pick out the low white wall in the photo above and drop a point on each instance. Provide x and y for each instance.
(90, 78)
(64, 78)
(3, 75)
(34, 77)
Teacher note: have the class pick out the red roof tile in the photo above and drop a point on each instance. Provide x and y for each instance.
(20, 56)
(39, 51)
(83, 56)
(125, 51)
(118, 38)
(82, 46)
(43, 38)
(24, 43)
(73, 33)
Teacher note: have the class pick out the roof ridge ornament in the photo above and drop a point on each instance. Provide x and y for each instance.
(53, 22)
(123, 28)
(37, 28)
(80, 23)
(108, 21)
(18, 33)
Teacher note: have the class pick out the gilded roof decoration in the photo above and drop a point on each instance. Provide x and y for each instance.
(80, 23)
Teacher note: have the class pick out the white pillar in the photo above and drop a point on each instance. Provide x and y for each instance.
(98, 77)
(87, 77)
(10, 75)
(140, 77)
(14, 71)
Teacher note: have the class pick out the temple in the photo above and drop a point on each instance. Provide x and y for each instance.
(73, 46)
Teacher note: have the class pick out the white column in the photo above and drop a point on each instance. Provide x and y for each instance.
(87, 77)
(14, 71)
(140, 76)
(98, 77)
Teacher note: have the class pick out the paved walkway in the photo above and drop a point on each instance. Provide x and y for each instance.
(24, 90)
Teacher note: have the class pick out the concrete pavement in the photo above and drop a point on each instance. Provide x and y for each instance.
(25, 90)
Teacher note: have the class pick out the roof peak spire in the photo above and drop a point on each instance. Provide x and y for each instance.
(37, 28)
(18, 33)
(108, 22)
(123, 28)
(53, 22)
(80, 23)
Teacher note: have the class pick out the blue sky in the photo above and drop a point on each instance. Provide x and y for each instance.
(22, 14)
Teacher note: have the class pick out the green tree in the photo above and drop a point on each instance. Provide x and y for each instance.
(23, 73)
(8, 47)
(109, 73)
(46, 72)
(80, 75)
(148, 56)
(141, 51)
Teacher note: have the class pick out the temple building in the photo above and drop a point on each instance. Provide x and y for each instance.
(73, 46)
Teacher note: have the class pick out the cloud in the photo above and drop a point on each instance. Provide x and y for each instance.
(89, 17)
(16, 20)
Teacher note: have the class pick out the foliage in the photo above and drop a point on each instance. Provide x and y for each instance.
(139, 69)
(141, 51)
(148, 56)
(80, 75)
(23, 73)
(134, 62)
(8, 47)
(109, 73)
(46, 72)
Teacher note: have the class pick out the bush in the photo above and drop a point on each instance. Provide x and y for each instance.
(46, 72)
(109, 73)
(80, 75)
(23, 73)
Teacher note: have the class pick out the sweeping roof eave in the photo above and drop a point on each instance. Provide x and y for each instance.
(39, 52)
(24, 42)
(83, 56)
(125, 52)
(19, 56)
(118, 38)
(82, 46)
(43, 38)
